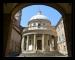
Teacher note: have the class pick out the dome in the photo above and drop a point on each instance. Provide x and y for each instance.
(39, 16)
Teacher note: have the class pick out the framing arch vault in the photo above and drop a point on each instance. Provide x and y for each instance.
(63, 8)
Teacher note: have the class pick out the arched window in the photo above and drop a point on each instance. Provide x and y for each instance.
(34, 24)
(39, 25)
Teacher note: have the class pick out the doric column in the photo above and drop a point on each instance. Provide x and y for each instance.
(27, 42)
(22, 44)
(34, 40)
(43, 42)
(50, 41)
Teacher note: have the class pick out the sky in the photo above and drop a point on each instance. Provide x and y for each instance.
(29, 11)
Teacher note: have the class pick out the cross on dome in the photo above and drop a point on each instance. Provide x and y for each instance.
(39, 13)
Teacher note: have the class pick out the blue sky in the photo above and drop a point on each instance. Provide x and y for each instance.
(29, 11)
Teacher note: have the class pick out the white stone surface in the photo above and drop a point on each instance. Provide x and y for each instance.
(39, 16)
(30, 47)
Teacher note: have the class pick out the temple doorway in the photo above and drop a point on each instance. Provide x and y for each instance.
(39, 45)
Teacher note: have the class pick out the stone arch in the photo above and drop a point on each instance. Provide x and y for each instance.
(20, 6)
(59, 7)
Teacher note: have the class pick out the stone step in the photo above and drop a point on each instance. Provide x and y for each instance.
(39, 54)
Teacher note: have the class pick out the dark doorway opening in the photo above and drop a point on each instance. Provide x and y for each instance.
(39, 45)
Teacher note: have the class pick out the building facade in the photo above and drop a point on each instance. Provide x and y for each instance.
(39, 35)
(62, 47)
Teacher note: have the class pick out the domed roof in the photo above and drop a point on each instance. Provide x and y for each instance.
(39, 16)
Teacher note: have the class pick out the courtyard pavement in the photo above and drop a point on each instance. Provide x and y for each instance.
(44, 54)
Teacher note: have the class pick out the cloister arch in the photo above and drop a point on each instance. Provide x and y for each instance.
(55, 6)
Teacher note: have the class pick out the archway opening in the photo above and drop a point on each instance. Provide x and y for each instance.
(28, 11)
(62, 35)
